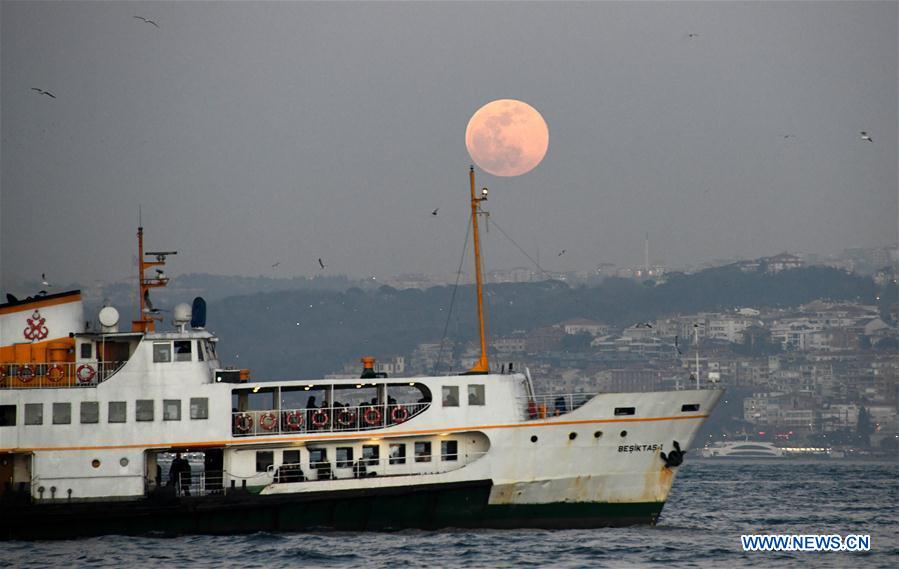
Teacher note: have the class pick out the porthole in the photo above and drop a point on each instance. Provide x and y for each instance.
(95, 463)
(123, 461)
(597, 434)
(534, 438)
(572, 436)
(623, 434)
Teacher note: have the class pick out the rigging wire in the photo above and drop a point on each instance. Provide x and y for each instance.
(452, 299)
(523, 252)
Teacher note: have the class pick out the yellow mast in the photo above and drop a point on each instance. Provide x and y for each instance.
(482, 365)
(146, 321)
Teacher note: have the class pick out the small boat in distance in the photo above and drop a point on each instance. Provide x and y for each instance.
(742, 449)
(94, 423)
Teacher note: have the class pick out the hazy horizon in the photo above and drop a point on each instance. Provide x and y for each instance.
(258, 133)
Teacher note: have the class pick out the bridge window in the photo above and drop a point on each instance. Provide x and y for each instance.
(476, 395)
(90, 412)
(34, 413)
(117, 412)
(62, 414)
(398, 454)
(619, 411)
(199, 407)
(264, 459)
(449, 450)
(162, 352)
(423, 451)
(182, 350)
(344, 457)
(144, 410)
(450, 395)
(7, 415)
(87, 351)
(200, 351)
(171, 409)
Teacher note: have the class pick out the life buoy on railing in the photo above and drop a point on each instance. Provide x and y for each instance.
(345, 418)
(399, 414)
(56, 373)
(320, 418)
(293, 420)
(372, 416)
(268, 421)
(243, 423)
(85, 373)
(25, 373)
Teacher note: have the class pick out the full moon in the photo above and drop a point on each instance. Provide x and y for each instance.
(507, 137)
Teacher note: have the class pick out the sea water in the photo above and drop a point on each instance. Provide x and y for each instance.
(712, 504)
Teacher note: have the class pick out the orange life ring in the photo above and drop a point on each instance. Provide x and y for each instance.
(85, 373)
(243, 423)
(345, 418)
(399, 414)
(372, 416)
(294, 420)
(25, 373)
(319, 418)
(268, 421)
(56, 373)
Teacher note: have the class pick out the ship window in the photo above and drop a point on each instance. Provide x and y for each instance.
(264, 459)
(450, 395)
(398, 454)
(182, 350)
(371, 454)
(117, 412)
(144, 410)
(162, 352)
(171, 409)
(423, 451)
(619, 411)
(34, 413)
(7, 415)
(290, 457)
(86, 351)
(344, 457)
(62, 413)
(199, 407)
(476, 395)
(199, 351)
(689, 407)
(90, 412)
(449, 450)
(317, 457)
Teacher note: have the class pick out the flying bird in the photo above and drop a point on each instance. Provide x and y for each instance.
(44, 281)
(692, 35)
(321, 263)
(145, 20)
(275, 265)
(562, 252)
(42, 92)
(866, 137)
(435, 211)
(789, 136)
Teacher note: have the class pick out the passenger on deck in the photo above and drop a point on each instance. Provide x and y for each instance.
(179, 473)
(561, 407)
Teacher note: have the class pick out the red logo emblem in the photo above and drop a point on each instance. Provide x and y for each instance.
(36, 329)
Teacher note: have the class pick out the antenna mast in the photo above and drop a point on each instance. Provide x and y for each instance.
(146, 321)
(482, 366)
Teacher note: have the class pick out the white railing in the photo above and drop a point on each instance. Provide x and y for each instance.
(410, 465)
(322, 419)
(56, 375)
(553, 405)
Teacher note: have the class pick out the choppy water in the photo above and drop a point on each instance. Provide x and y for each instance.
(712, 504)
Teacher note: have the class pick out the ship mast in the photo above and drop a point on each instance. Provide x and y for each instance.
(482, 365)
(147, 318)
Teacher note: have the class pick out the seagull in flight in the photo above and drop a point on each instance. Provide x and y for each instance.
(788, 135)
(692, 35)
(145, 20)
(44, 281)
(321, 263)
(435, 211)
(866, 137)
(275, 265)
(562, 252)
(42, 92)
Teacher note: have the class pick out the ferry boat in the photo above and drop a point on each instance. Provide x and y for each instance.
(742, 449)
(91, 418)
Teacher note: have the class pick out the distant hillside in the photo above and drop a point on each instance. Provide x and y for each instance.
(306, 333)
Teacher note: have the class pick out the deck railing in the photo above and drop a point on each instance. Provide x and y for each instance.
(322, 419)
(552, 405)
(56, 375)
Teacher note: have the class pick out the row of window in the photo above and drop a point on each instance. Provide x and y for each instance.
(371, 455)
(451, 395)
(181, 351)
(117, 411)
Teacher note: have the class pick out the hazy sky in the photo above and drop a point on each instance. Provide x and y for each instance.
(255, 133)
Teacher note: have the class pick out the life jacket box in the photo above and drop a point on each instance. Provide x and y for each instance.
(228, 376)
